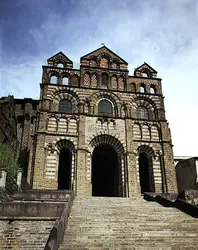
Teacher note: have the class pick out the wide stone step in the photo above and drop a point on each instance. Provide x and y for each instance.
(123, 223)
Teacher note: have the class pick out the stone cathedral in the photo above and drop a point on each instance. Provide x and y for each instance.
(98, 130)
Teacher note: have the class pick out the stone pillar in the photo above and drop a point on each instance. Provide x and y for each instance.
(81, 158)
(3, 174)
(131, 160)
(19, 178)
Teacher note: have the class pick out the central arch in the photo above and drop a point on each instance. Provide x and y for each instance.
(105, 171)
(108, 167)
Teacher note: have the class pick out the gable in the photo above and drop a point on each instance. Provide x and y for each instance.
(59, 58)
(145, 68)
(103, 51)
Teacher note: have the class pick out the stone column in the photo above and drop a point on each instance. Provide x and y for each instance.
(81, 158)
(19, 178)
(3, 174)
(131, 160)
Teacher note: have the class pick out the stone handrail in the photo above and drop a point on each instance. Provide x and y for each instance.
(57, 233)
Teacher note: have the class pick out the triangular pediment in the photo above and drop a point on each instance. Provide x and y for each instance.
(106, 52)
(59, 57)
(146, 66)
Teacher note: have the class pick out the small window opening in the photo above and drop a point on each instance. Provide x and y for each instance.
(65, 106)
(60, 65)
(142, 112)
(144, 74)
(53, 79)
(142, 88)
(152, 90)
(65, 80)
(105, 79)
(105, 108)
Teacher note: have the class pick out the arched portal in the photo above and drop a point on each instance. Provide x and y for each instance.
(64, 169)
(146, 173)
(105, 171)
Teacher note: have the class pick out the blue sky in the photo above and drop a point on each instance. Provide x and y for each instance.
(162, 33)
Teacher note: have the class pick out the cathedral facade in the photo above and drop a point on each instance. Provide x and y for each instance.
(100, 131)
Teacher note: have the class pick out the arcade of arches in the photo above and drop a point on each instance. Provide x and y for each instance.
(108, 171)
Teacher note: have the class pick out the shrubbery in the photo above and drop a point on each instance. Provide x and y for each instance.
(8, 162)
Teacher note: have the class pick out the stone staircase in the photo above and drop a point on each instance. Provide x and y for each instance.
(124, 223)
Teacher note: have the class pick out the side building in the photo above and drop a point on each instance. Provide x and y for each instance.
(100, 131)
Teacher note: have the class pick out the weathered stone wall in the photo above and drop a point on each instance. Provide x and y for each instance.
(8, 133)
(25, 113)
(187, 174)
(24, 234)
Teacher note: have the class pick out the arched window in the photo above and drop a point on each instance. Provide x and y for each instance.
(144, 74)
(60, 65)
(104, 79)
(65, 80)
(133, 87)
(152, 89)
(104, 62)
(142, 88)
(53, 79)
(142, 112)
(65, 106)
(105, 108)
(93, 63)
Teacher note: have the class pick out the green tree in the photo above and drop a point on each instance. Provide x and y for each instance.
(8, 162)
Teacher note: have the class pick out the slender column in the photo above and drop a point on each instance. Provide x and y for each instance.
(81, 159)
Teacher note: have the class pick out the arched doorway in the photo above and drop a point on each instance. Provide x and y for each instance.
(64, 169)
(146, 173)
(105, 171)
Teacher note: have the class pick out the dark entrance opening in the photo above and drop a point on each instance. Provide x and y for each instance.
(64, 169)
(146, 173)
(105, 172)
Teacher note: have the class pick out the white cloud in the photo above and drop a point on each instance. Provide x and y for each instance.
(162, 33)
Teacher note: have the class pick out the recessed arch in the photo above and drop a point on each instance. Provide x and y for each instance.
(114, 81)
(104, 79)
(94, 79)
(64, 95)
(65, 106)
(142, 112)
(145, 165)
(93, 61)
(111, 97)
(132, 86)
(108, 139)
(115, 64)
(65, 80)
(86, 79)
(152, 89)
(60, 65)
(142, 88)
(104, 60)
(74, 80)
(145, 73)
(105, 108)
(65, 151)
(54, 79)
(107, 166)
(148, 104)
